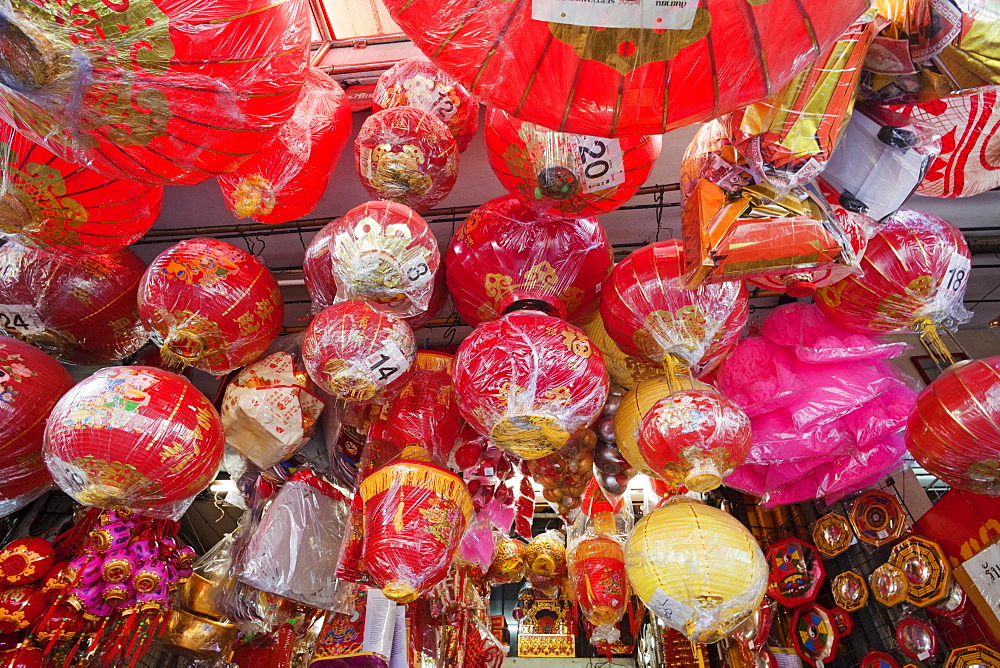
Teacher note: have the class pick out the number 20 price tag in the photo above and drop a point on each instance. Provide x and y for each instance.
(602, 163)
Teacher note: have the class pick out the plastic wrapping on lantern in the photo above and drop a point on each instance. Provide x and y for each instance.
(156, 93)
(287, 179)
(565, 474)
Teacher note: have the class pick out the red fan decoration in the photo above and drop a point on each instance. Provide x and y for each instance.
(287, 179)
(24, 561)
(416, 82)
(567, 174)
(505, 253)
(529, 381)
(166, 92)
(408, 156)
(358, 353)
(133, 436)
(20, 607)
(50, 203)
(624, 69)
(648, 312)
(31, 383)
(79, 309)
(210, 305)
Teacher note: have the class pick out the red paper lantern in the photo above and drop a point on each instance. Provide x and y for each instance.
(358, 353)
(287, 179)
(597, 566)
(26, 560)
(648, 312)
(415, 82)
(79, 309)
(50, 203)
(567, 174)
(914, 271)
(506, 253)
(408, 156)
(952, 430)
(31, 383)
(379, 252)
(20, 607)
(694, 438)
(133, 436)
(165, 92)
(529, 381)
(210, 305)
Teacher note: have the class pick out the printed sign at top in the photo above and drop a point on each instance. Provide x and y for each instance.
(654, 14)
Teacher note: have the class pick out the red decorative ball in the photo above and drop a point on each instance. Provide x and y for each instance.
(416, 82)
(56, 581)
(408, 156)
(358, 353)
(164, 92)
(47, 202)
(566, 174)
(20, 607)
(133, 436)
(529, 381)
(648, 311)
(210, 305)
(31, 383)
(26, 560)
(62, 624)
(505, 253)
(288, 178)
(79, 309)
(694, 438)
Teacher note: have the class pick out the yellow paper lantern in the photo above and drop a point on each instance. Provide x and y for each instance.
(625, 370)
(697, 568)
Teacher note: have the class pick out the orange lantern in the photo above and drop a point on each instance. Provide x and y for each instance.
(597, 567)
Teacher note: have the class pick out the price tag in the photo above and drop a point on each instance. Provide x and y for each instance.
(601, 162)
(653, 14)
(417, 271)
(20, 318)
(431, 96)
(956, 278)
(923, 656)
(882, 534)
(984, 571)
(675, 613)
(384, 365)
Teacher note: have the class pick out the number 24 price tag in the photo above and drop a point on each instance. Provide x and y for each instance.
(20, 318)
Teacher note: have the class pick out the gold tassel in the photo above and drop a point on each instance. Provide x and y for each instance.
(933, 343)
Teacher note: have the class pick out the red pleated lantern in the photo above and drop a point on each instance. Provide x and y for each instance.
(649, 313)
(50, 203)
(914, 272)
(406, 155)
(415, 515)
(20, 607)
(210, 305)
(416, 82)
(694, 438)
(31, 383)
(506, 253)
(597, 565)
(133, 436)
(567, 174)
(529, 381)
(287, 179)
(379, 252)
(952, 430)
(79, 309)
(358, 353)
(165, 92)
(25, 560)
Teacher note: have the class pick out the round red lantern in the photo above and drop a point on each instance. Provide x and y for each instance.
(80, 309)
(566, 174)
(26, 560)
(133, 436)
(31, 383)
(56, 581)
(694, 438)
(287, 179)
(529, 381)
(415, 515)
(952, 430)
(358, 353)
(425, 412)
(62, 624)
(648, 312)
(406, 155)
(379, 252)
(50, 203)
(22, 657)
(597, 568)
(417, 82)
(210, 305)
(20, 607)
(506, 254)
(165, 92)
(914, 272)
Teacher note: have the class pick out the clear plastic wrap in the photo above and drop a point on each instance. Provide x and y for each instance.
(565, 474)
(210, 305)
(507, 565)
(611, 470)
(170, 92)
(626, 371)
(287, 179)
(406, 155)
(505, 253)
(80, 309)
(134, 437)
(362, 638)
(529, 381)
(381, 252)
(50, 203)
(545, 561)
